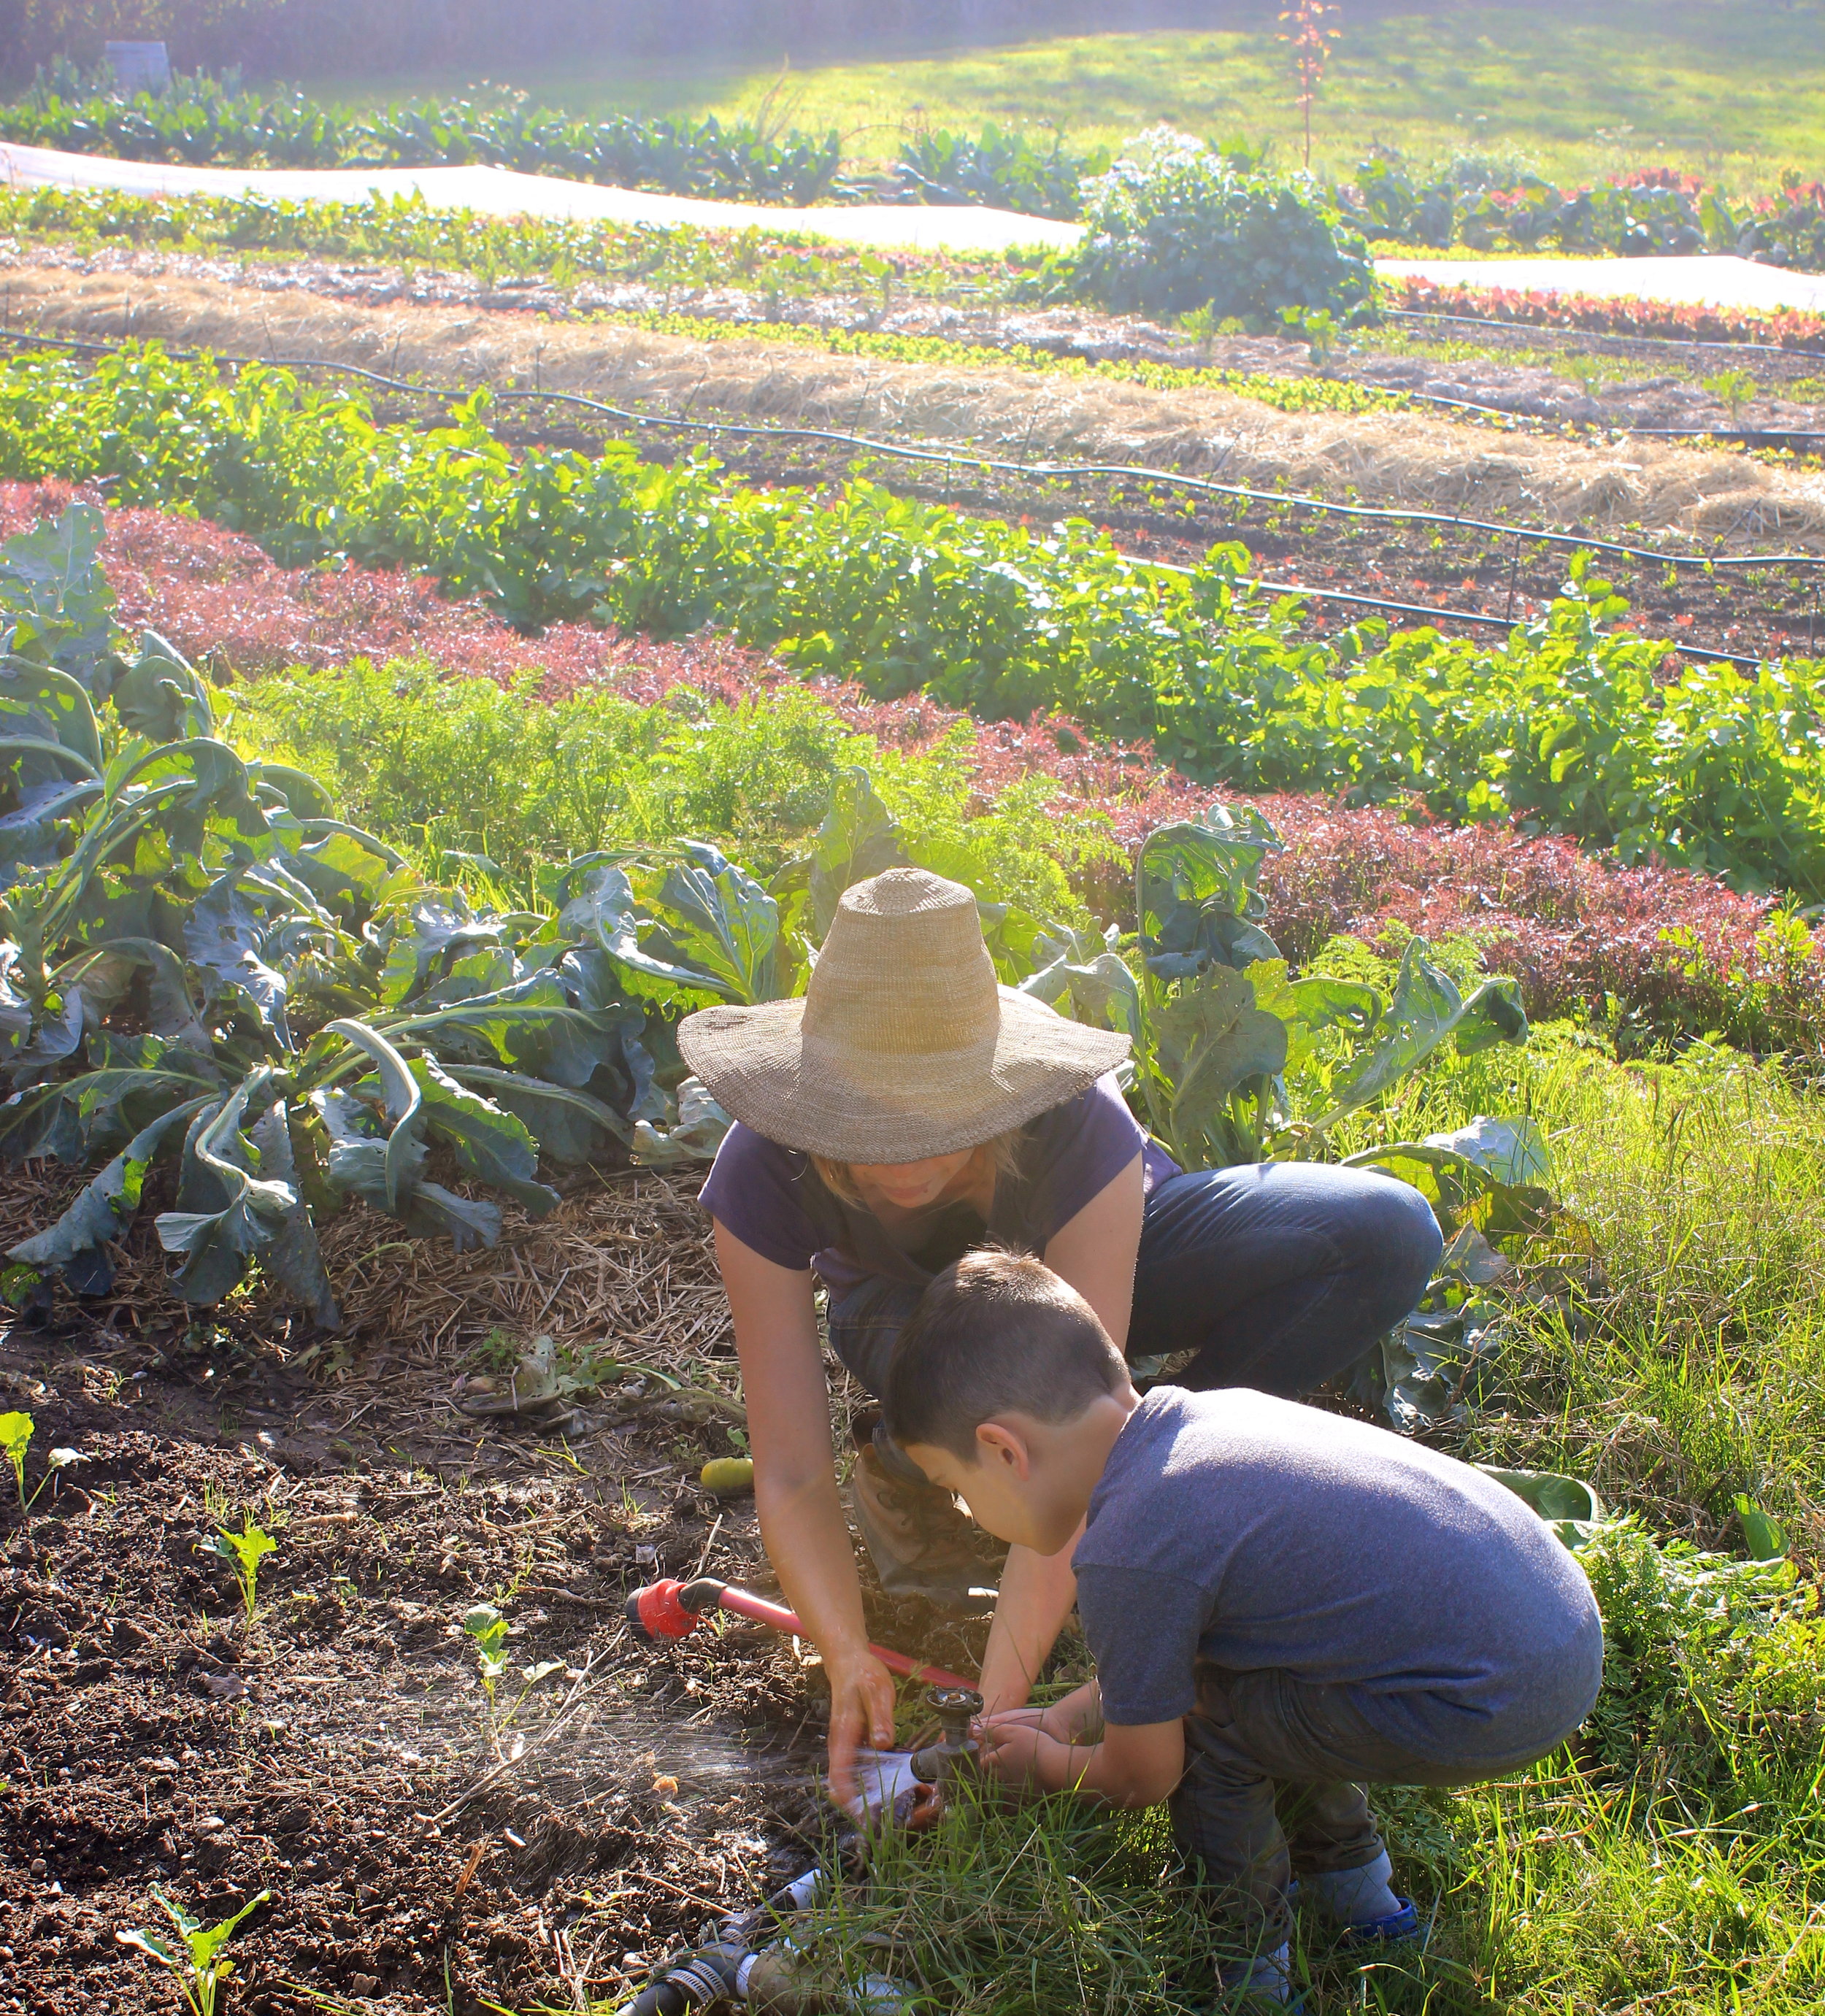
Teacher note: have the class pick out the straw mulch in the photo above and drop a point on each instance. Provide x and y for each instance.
(624, 1264)
(1410, 460)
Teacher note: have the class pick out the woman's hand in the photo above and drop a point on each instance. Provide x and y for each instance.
(862, 1711)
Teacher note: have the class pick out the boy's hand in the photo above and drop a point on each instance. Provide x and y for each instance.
(1018, 1752)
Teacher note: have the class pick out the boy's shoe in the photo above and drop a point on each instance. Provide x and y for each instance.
(920, 1543)
(1398, 1925)
(1256, 1987)
(1358, 1901)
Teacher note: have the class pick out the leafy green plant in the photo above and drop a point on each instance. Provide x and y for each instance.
(1734, 391)
(1570, 721)
(202, 119)
(1005, 170)
(244, 1552)
(188, 931)
(1172, 226)
(1234, 1060)
(1319, 328)
(196, 1958)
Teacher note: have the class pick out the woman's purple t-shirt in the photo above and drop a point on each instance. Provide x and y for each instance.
(773, 1200)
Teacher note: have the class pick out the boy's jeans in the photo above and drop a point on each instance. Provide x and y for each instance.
(1273, 1789)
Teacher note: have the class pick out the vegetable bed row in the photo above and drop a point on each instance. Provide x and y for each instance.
(1568, 722)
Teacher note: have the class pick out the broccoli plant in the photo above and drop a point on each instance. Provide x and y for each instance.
(196, 1957)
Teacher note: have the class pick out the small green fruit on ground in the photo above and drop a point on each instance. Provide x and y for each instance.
(727, 1475)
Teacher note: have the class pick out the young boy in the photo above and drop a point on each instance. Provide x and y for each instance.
(1284, 1605)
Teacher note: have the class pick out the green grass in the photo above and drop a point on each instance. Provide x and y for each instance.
(1734, 89)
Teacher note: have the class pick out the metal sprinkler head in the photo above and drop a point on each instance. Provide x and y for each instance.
(955, 1708)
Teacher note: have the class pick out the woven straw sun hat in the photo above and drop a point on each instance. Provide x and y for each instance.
(905, 1046)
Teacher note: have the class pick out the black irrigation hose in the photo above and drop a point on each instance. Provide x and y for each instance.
(1703, 651)
(1613, 335)
(1047, 470)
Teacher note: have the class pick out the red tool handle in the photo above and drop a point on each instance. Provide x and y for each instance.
(781, 1619)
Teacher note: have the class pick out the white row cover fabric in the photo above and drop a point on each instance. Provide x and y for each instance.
(501, 193)
(1737, 283)
(1700, 281)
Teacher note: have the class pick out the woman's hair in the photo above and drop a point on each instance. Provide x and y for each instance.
(1004, 1148)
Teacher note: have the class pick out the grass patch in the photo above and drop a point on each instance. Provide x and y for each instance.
(466, 766)
(1733, 89)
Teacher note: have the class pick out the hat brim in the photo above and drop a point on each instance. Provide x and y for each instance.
(752, 1062)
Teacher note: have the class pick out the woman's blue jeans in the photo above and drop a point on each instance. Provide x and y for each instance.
(1278, 1276)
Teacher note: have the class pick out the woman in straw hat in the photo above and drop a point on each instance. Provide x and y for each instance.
(908, 1109)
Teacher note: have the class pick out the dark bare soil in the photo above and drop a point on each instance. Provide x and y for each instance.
(338, 1750)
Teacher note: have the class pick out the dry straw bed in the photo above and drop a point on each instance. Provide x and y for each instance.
(1410, 460)
(624, 1265)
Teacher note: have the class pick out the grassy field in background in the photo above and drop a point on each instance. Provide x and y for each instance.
(1731, 89)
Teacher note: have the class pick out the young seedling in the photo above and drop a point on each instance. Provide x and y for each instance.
(1733, 390)
(196, 1957)
(244, 1552)
(16, 1435)
(488, 1628)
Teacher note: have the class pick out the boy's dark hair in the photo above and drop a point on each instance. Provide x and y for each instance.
(996, 1333)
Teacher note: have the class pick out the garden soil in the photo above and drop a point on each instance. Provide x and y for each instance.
(1417, 460)
(337, 1751)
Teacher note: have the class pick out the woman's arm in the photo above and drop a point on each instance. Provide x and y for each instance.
(795, 1492)
(1094, 1251)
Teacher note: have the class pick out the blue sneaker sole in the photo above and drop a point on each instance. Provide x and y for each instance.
(1397, 1927)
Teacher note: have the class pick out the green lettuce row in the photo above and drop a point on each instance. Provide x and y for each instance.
(1568, 722)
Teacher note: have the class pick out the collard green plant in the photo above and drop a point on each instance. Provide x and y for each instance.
(203, 969)
(244, 1552)
(196, 1957)
(1173, 226)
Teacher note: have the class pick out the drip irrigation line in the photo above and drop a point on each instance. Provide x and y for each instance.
(1541, 423)
(1615, 335)
(1432, 615)
(1052, 470)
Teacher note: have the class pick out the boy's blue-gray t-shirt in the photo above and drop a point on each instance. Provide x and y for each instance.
(1255, 1533)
